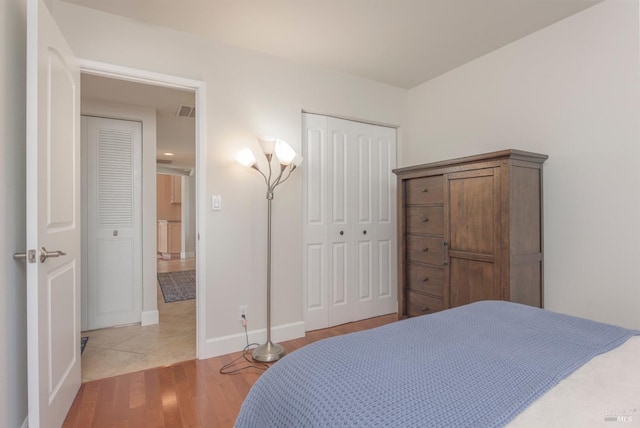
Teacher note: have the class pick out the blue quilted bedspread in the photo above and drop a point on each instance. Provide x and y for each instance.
(478, 365)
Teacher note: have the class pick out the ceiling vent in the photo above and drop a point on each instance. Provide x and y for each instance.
(164, 161)
(186, 111)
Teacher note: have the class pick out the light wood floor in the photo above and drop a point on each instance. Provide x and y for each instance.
(187, 394)
(114, 351)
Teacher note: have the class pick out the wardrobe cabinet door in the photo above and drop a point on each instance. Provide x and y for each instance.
(473, 233)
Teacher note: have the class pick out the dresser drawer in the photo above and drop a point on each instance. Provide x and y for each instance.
(425, 190)
(424, 249)
(429, 220)
(425, 279)
(419, 304)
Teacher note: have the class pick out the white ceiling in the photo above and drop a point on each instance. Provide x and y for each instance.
(399, 42)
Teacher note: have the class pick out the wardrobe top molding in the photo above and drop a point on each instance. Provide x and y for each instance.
(502, 155)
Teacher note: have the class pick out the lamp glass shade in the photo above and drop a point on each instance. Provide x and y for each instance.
(284, 152)
(246, 158)
(297, 160)
(267, 144)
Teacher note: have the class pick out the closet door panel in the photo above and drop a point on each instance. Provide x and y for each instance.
(340, 212)
(384, 219)
(339, 312)
(315, 275)
(338, 180)
(315, 214)
(386, 274)
(363, 196)
(375, 226)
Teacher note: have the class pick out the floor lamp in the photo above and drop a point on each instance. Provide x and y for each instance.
(288, 161)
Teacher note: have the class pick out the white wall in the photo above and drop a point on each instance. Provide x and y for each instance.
(13, 319)
(571, 91)
(147, 116)
(248, 94)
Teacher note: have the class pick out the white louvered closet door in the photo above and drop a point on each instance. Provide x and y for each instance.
(114, 229)
(349, 221)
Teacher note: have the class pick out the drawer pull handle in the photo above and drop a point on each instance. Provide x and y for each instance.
(425, 279)
(425, 249)
(425, 190)
(424, 309)
(445, 262)
(425, 220)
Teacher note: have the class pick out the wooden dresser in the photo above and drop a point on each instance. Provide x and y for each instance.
(470, 229)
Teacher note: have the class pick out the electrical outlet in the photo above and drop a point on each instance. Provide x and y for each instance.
(242, 310)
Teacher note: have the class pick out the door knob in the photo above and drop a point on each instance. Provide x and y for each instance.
(44, 254)
(342, 232)
(364, 232)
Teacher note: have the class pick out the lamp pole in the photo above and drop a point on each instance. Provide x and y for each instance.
(269, 351)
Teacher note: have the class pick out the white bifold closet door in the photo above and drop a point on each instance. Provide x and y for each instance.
(349, 264)
(114, 221)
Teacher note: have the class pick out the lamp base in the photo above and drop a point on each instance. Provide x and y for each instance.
(268, 352)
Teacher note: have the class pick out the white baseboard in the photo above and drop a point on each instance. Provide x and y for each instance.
(150, 317)
(237, 342)
(25, 424)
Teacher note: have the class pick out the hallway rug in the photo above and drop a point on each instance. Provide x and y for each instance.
(177, 286)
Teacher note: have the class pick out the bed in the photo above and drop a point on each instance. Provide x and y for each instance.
(486, 364)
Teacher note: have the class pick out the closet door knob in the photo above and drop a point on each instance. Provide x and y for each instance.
(364, 232)
(342, 232)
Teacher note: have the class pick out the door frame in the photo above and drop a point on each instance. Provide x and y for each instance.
(152, 78)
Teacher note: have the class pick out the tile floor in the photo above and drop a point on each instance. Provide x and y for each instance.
(113, 351)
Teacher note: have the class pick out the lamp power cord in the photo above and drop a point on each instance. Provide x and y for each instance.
(250, 363)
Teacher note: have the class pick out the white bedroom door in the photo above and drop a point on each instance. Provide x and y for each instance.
(349, 263)
(114, 221)
(53, 220)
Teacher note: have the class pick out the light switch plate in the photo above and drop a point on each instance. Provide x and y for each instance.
(216, 202)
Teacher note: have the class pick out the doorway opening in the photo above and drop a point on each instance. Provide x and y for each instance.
(167, 331)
